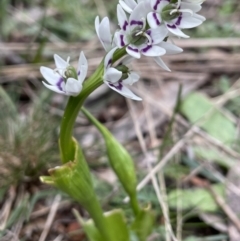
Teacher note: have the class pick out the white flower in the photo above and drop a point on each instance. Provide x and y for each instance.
(118, 78)
(65, 79)
(175, 16)
(104, 33)
(134, 34)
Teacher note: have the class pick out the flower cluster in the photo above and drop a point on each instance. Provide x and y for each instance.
(145, 28)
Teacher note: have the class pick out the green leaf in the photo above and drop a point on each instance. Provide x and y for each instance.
(197, 198)
(214, 155)
(193, 164)
(196, 105)
(143, 224)
(116, 224)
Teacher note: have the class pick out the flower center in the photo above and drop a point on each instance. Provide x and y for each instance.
(68, 72)
(71, 72)
(173, 10)
(170, 12)
(125, 71)
(139, 37)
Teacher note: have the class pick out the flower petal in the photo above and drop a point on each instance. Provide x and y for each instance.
(200, 17)
(188, 21)
(60, 63)
(108, 58)
(49, 75)
(122, 18)
(131, 3)
(170, 48)
(158, 5)
(112, 75)
(125, 6)
(192, 6)
(176, 31)
(133, 51)
(73, 87)
(127, 60)
(104, 33)
(138, 15)
(120, 39)
(152, 51)
(54, 88)
(132, 78)
(154, 19)
(123, 90)
(82, 67)
(160, 62)
(158, 34)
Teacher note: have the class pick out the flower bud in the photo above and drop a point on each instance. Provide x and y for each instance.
(119, 158)
(125, 71)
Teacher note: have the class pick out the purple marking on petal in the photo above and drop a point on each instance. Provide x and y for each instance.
(78, 73)
(156, 4)
(109, 62)
(171, 26)
(148, 32)
(59, 83)
(118, 86)
(156, 19)
(122, 41)
(125, 25)
(135, 50)
(135, 22)
(179, 20)
(146, 48)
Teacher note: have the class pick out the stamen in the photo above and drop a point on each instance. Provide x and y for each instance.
(173, 11)
(68, 59)
(144, 24)
(181, 11)
(178, 4)
(57, 70)
(139, 33)
(149, 38)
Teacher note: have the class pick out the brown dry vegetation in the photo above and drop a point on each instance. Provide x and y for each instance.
(189, 143)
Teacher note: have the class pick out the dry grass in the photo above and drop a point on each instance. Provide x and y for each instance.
(158, 142)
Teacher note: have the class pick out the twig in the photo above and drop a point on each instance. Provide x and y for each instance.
(153, 138)
(151, 176)
(164, 160)
(50, 217)
(46, 210)
(227, 210)
(59, 238)
(7, 207)
(194, 128)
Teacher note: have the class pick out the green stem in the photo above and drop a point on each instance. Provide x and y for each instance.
(134, 204)
(71, 112)
(96, 214)
(74, 105)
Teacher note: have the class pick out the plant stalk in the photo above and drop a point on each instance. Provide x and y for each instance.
(74, 105)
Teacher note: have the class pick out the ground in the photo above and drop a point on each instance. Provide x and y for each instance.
(183, 136)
